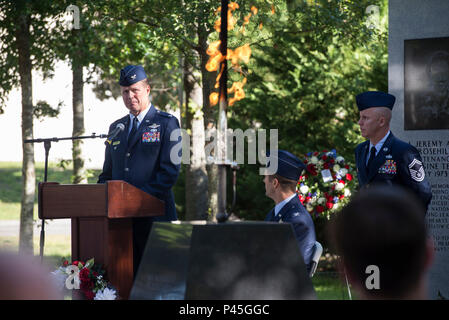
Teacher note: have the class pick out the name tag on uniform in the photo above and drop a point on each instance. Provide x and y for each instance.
(389, 167)
(116, 143)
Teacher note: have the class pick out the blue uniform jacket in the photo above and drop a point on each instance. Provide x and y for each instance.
(295, 213)
(145, 162)
(397, 163)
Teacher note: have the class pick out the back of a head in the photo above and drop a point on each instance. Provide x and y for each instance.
(22, 277)
(383, 227)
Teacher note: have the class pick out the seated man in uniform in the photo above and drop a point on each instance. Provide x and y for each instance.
(281, 188)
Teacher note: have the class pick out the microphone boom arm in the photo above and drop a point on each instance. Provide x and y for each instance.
(47, 145)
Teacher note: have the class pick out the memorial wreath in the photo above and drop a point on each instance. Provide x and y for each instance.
(326, 184)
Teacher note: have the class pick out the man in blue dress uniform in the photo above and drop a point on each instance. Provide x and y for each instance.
(281, 187)
(140, 153)
(383, 158)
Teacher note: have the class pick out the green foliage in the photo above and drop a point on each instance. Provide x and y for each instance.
(38, 13)
(303, 76)
(42, 109)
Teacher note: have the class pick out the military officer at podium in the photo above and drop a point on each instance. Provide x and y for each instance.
(281, 188)
(383, 158)
(139, 151)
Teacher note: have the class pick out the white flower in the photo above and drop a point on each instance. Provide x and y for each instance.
(59, 277)
(340, 159)
(336, 168)
(314, 160)
(347, 192)
(321, 201)
(304, 189)
(343, 172)
(339, 186)
(335, 206)
(309, 207)
(106, 294)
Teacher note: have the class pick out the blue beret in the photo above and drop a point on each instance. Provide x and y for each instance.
(371, 99)
(289, 166)
(131, 74)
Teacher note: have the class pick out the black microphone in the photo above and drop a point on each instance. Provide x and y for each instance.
(119, 128)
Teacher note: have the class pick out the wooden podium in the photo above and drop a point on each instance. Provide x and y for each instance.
(101, 222)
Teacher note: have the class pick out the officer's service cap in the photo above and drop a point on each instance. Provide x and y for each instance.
(370, 99)
(289, 166)
(131, 74)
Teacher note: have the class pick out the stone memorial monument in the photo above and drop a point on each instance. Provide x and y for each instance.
(228, 261)
(418, 73)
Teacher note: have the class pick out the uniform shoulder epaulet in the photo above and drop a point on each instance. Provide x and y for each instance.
(361, 145)
(164, 114)
(402, 146)
(121, 120)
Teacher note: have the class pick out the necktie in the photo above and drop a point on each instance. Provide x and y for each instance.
(372, 155)
(133, 130)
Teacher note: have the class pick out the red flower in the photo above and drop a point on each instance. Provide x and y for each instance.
(308, 198)
(332, 160)
(329, 205)
(347, 167)
(324, 157)
(324, 151)
(341, 196)
(315, 153)
(76, 262)
(319, 209)
(326, 165)
(312, 169)
(86, 286)
(348, 176)
(342, 181)
(84, 274)
(305, 161)
(301, 198)
(89, 294)
(65, 263)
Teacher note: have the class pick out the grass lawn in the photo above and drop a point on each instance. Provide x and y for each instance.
(56, 247)
(329, 286)
(11, 185)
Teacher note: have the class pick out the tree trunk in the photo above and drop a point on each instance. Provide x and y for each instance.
(196, 175)
(28, 172)
(79, 172)
(207, 79)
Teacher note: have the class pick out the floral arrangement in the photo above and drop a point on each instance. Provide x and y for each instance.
(326, 184)
(86, 276)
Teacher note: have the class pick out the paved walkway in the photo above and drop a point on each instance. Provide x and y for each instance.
(10, 228)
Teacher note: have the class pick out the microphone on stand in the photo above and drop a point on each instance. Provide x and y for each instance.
(118, 129)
